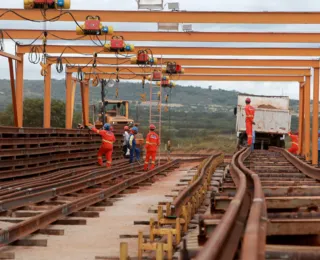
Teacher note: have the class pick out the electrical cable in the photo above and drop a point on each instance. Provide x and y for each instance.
(59, 65)
(34, 56)
(1, 41)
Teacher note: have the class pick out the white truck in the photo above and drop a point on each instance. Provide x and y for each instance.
(272, 120)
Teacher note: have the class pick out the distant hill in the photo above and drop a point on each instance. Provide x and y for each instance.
(188, 96)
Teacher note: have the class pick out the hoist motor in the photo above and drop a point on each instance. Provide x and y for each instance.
(155, 76)
(173, 68)
(166, 83)
(46, 4)
(93, 26)
(143, 58)
(117, 44)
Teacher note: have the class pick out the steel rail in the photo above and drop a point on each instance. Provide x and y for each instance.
(305, 168)
(254, 239)
(35, 223)
(224, 241)
(187, 193)
(23, 198)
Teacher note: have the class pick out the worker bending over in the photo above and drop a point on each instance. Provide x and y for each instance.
(134, 150)
(294, 143)
(152, 144)
(249, 120)
(106, 147)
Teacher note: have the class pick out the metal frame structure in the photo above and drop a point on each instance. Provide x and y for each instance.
(191, 17)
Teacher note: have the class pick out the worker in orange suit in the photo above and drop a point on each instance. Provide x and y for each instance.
(152, 144)
(294, 143)
(106, 147)
(249, 120)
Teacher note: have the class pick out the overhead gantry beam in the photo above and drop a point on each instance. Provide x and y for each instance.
(193, 62)
(205, 77)
(281, 37)
(193, 70)
(297, 52)
(168, 17)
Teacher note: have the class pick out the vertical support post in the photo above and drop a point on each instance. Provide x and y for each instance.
(85, 101)
(140, 242)
(123, 251)
(19, 90)
(301, 117)
(307, 119)
(13, 92)
(73, 93)
(159, 251)
(47, 99)
(69, 107)
(315, 113)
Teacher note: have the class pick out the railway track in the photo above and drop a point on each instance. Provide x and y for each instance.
(267, 208)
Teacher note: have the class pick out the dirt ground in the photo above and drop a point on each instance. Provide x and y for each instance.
(100, 237)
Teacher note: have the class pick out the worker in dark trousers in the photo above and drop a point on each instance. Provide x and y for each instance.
(134, 150)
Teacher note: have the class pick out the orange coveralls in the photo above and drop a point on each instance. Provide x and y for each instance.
(249, 120)
(106, 147)
(152, 143)
(294, 144)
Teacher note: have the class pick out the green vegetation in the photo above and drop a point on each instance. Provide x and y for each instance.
(203, 119)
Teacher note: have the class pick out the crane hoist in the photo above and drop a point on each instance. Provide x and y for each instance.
(155, 76)
(93, 26)
(173, 68)
(166, 83)
(117, 44)
(46, 4)
(143, 58)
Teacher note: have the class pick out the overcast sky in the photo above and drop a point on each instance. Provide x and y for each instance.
(270, 88)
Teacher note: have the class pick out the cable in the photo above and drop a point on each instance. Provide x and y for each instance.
(1, 41)
(79, 74)
(59, 65)
(34, 55)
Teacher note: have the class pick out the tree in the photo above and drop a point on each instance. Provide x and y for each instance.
(33, 114)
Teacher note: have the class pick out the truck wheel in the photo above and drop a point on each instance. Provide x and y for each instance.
(282, 144)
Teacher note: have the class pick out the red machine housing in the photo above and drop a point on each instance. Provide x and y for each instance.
(39, 3)
(117, 44)
(173, 68)
(92, 25)
(142, 57)
(156, 75)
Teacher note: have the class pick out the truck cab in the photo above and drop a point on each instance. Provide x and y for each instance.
(272, 120)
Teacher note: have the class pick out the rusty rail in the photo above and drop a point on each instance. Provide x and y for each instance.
(224, 241)
(35, 223)
(185, 195)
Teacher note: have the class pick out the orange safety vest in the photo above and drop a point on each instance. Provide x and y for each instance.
(107, 136)
(152, 142)
(294, 140)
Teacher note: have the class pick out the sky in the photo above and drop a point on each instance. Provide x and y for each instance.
(269, 88)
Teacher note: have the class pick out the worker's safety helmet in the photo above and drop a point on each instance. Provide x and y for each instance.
(126, 128)
(106, 126)
(152, 127)
(135, 129)
(248, 100)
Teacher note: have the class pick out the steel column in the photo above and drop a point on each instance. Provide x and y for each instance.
(315, 114)
(47, 99)
(19, 90)
(307, 119)
(13, 92)
(85, 101)
(301, 117)
(69, 102)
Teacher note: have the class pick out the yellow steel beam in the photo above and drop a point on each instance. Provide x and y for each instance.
(173, 36)
(184, 50)
(204, 77)
(168, 17)
(194, 62)
(193, 70)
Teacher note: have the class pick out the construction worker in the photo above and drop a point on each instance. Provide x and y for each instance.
(106, 147)
(249, 120)
(125, 140)
(132, 145)
(294, 143)
(152, 144)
